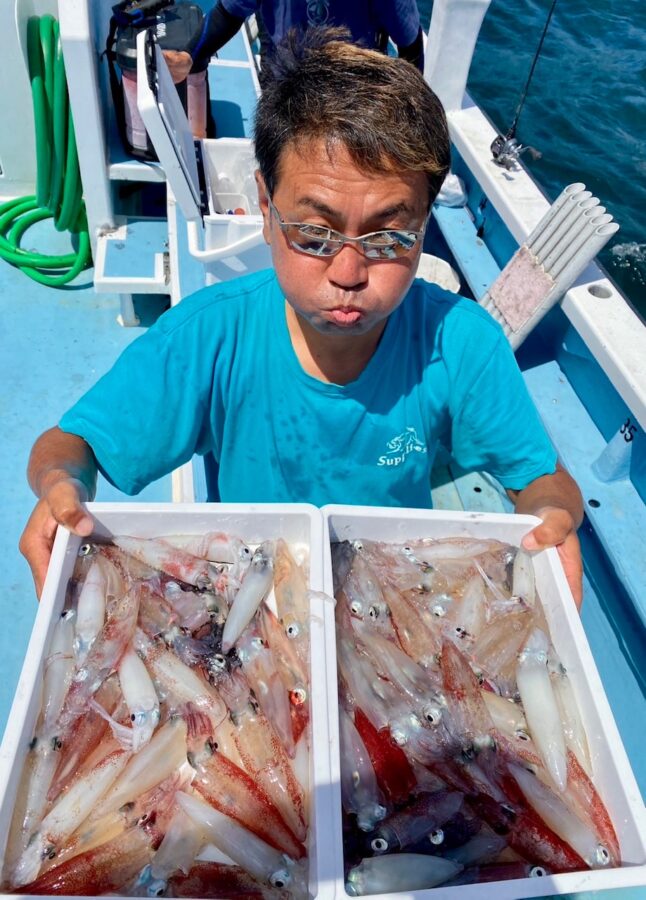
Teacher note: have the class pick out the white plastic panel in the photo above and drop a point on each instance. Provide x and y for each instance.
(167, 126)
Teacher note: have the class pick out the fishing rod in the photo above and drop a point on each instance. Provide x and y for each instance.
(506, 149)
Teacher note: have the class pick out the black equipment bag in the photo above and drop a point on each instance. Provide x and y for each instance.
(174, 25)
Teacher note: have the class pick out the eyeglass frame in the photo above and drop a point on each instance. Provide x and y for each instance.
(344, 239)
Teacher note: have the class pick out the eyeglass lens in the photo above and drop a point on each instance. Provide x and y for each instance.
(317, 240)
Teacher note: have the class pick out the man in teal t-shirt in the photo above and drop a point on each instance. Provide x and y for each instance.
(334, 376)
(279, 433)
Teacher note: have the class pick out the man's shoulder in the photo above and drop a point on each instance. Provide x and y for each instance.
(223, 300)
(453, 310)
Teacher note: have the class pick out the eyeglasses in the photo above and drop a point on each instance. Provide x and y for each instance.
(317, 240)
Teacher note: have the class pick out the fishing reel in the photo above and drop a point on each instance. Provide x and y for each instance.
(506, 151)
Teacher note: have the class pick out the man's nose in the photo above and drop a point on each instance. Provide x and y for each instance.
(349, 268)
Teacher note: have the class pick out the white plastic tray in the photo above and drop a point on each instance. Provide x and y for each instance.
(298, 524)
(612, 773)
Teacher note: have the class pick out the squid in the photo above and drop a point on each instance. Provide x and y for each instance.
(246, 849)
(66, 815)
(541, 709)
(401, 872)
(359, 790)
(253, 590)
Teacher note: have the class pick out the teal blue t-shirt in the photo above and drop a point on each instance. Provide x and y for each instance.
(217, 374)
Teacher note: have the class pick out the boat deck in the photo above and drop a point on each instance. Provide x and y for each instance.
(55, 345)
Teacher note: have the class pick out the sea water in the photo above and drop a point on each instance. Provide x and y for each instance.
(585, 111)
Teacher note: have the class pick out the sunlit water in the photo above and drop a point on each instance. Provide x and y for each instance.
(585, 111)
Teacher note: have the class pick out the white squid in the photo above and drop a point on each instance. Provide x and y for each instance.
(255, 587)
(541, 709)
(140, 696)
(399, 872)
(66, 815)
(243, 846)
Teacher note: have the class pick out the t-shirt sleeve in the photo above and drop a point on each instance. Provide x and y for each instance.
(150, 412)
(495, 425)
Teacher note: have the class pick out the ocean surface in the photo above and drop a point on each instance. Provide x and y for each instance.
(585, 111)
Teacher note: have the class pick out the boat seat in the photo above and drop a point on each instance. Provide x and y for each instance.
(438, 271)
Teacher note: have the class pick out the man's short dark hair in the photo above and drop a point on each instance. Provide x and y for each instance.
(319, 86)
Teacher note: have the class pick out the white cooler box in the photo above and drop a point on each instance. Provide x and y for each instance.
(612, 773)
(301, 526)
(209, 179)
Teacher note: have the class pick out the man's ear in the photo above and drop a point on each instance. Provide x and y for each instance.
(263, 203)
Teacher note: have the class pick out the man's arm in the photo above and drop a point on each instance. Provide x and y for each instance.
(218, 28)
(557, 500)
(62, 473)
(414, 53)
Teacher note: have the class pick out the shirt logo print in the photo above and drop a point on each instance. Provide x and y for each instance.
(400, 447)
(318, 12)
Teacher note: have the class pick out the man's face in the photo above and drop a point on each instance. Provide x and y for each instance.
(345, 294)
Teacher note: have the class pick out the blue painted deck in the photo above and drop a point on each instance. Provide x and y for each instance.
(54, 345)
(233, 98)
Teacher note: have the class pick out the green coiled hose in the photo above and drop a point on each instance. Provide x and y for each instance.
(59, 192)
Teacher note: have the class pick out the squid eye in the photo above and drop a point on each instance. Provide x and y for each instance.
(379, 845)
(432, 714)
(521, 734)
(292, 630)
(373, 613)
(357, 545)
(436, 837)
(438, 610)
(355, 608)
(298, 696)
(537, 872)
(601, 856)
(85, 549)
(280, 879)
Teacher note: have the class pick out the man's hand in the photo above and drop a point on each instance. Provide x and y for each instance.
(558, 530)
(179, 63)
(62, 472)
(62, 505)
(556, 499)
